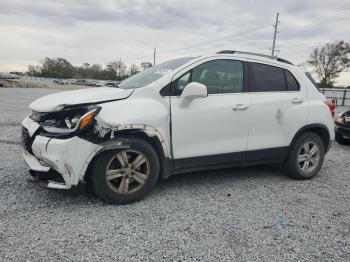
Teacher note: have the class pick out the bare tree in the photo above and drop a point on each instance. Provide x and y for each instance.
(330, 60)
(33, 70)
(118, 66)
(61, 68)
(134, 69)
(146, 65)
(56, 67)
(86, 65)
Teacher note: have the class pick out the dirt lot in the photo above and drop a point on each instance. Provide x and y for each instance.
(245, 214)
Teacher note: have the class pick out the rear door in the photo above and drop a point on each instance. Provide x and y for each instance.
(279, 109)
(211, 130)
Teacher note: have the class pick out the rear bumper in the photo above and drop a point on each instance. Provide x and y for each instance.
(344, 131)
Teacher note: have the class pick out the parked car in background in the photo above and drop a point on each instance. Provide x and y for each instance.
(112, 84)
(99, 83)
(9, 76)
(188, 114)
(95, 83)
(80, 82)
(61, 81)
(342, 128)
(91, 82)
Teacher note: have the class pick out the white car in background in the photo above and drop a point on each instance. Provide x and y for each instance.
(188, 114)
(9, 76)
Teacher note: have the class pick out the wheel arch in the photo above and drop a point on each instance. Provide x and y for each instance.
(318, 129)
(153, 139)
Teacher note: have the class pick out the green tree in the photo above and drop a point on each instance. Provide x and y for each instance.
(56, 68)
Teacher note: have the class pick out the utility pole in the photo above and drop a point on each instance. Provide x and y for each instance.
(154, 57)
(274, 35)
(119, 67)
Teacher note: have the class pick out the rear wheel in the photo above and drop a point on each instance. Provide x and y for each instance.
(126, 175)
(341, 140)
(306, 157)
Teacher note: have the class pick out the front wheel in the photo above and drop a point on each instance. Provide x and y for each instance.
(125, 176)
(306, 157)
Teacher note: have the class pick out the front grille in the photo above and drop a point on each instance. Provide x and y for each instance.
(27, 141)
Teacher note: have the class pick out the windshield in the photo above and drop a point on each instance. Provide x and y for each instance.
(153, 74)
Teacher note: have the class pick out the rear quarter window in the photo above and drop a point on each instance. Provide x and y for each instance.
(292, 83)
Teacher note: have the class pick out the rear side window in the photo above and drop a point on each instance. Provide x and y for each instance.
(292, 83)
(268, 78)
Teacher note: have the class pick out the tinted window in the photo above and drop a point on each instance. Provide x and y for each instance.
(219, 76)
(292, 84)
(268, 78)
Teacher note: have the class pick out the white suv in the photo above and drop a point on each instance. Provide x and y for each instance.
(227, 109)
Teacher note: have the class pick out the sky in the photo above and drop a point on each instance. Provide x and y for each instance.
(95, 31)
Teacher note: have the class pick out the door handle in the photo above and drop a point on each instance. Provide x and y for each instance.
(297, 100)
(239, 107)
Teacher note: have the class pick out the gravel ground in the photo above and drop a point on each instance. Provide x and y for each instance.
(244, 214)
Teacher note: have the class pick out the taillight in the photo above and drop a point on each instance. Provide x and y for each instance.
(331, 107)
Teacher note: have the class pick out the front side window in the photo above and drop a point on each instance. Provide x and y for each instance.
(268, 78)
(219, 76)
(183, 81)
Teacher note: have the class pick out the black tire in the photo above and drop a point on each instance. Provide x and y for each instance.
(292, 166)
(103, 189)
(341, 140)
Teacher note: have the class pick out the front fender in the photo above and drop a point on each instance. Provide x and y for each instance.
(151, 115)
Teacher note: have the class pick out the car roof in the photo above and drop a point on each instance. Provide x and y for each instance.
(254, 57)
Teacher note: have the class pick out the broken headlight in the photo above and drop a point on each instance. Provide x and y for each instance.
(69, 120)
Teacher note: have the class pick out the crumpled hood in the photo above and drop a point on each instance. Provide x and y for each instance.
(52, 102)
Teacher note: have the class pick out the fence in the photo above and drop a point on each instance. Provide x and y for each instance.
(37, 79)
(342, 96)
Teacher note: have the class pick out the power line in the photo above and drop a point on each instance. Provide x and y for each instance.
(218, 39)
(289, 29)
(200, 43)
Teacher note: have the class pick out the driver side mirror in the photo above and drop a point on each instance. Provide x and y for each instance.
(192, 91)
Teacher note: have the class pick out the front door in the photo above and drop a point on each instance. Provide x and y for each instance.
(214, 129)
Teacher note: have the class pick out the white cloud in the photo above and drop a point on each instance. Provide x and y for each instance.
(101, 31)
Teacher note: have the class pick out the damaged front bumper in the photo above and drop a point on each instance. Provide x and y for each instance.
(45, 156)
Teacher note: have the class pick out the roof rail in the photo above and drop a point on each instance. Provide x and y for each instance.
(255, 54)
(284, 61)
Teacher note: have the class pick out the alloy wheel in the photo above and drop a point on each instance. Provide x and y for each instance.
(309, 157)
(127, 171)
